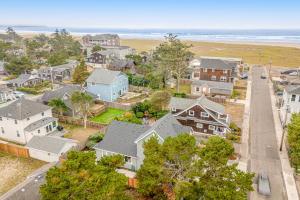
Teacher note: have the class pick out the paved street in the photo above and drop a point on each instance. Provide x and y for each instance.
(264, 155)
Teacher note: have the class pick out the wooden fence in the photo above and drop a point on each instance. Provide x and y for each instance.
(14, 149)
(79, 122)
(119, 105)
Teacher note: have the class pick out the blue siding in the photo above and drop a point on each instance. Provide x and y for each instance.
(110, 92)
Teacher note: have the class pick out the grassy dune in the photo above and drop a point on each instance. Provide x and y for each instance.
(252, 54)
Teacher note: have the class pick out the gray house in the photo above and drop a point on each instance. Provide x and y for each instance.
(127, 139)
(64, 93)
(24, 80)
(211, 88)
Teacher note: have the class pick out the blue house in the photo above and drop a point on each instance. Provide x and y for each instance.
(106, 84)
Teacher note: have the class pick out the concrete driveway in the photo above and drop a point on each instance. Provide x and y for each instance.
(264, 155)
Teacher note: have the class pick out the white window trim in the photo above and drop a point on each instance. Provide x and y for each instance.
(199, 125)
(191, 113)
(204, 69)
(204, 114)
(213, 78)
(211, 127)
(224, 71)
(223, 78)
(174, 109)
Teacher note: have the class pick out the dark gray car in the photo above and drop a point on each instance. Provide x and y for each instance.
(263, 186)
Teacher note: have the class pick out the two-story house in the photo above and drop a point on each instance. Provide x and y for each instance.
(215, 69)
(290, 103)
(22, 119)
(102, 40)
(127, 139)
(107, 85)
(58, 73)
(202, 115)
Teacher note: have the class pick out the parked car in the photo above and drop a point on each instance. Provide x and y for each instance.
(18, 94)
(263, 186)
(244, 75)
(263, 76)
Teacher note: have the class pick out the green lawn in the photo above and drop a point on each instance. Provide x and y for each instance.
(109, 115)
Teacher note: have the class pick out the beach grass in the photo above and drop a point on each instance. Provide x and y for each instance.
(251, 53)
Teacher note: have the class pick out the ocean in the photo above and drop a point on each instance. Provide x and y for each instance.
(265, 36)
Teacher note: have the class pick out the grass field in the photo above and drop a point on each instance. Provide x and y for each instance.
(252, 54)
(109, 115)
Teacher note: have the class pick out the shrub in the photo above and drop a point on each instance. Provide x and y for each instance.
(235, 94)
(181, 95)
(139, 114)
(94, 139)
(28, 90)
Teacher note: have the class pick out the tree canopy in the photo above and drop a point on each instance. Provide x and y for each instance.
(58, 105)
(179, 167)
(293, 137)
(18, 65)
(172, 58)
(80, 73)
(81, 178)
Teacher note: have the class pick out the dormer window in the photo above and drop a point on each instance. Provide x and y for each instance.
(204, 114)
(191, 113)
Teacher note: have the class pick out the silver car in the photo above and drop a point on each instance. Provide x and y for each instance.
(263, 186)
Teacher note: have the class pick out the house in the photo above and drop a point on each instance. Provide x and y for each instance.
(215, 69)
(106, 84)
(24, 80)
(2, 68)
(122, 65)
(290, 103)
(127, 139)
(6, 94)
(22, 119)
(211, 88)
(202, 115)
(49, 148)
(58, 73)
(64, 93)
(102, 40)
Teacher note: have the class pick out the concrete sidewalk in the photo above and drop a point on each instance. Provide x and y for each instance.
(287, 170)
(244, 150)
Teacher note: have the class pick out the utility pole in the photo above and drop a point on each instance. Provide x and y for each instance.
(270, 66)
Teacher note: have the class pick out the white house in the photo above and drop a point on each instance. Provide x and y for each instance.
(290, 103)
(22, 119)
(49, 148)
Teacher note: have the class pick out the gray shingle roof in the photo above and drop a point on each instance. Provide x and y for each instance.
(120, 137)
(22, 108)
(21, 79)
(103, 76)
(293, 89)
(49, 143)
(183, 103)
(213, 63)
(215, 86)
(37, 124)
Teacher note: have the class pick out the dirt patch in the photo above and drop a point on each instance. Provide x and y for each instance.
(79, 133)
(236, 112)
(14, 170)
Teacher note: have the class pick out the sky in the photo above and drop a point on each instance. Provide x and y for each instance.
(141, 14)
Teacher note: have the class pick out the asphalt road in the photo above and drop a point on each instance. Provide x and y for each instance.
(264, 155)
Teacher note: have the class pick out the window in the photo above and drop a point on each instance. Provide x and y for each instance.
(204, 114)
(197, 89)
(213, 78)
(0, 118)
(191, 113)
(16, 121)
(39, 131)
(224, 71)
(54, 124)
(211, 127)
(199, 125)
(28, 119)
(18, 134)
(43, 113)
(293, 97)
(2, 130)
(127, 159)
(47, 129)
(223, 78)
(174, 109)
(204, 69)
